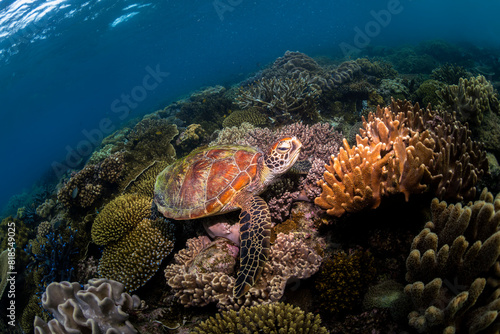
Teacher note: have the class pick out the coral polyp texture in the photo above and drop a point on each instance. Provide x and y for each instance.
(136, 257)
(89, 184)
(453, 269)
(270, 318)
(472, 99)
(403, 149)
(100, 307)
(118, 217)
(293, 255)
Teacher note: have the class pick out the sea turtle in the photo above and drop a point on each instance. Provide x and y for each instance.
(219, 179)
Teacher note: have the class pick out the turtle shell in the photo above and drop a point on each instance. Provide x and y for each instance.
(205, 182)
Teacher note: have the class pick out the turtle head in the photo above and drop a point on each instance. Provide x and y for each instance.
(282, 155)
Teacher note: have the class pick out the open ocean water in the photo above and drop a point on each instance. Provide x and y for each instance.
(74, 72)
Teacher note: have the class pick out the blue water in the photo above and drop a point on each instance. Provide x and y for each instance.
(71, 71)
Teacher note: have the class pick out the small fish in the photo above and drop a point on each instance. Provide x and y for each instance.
(74, 193)
(158, 132)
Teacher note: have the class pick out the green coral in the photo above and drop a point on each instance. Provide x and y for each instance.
(472, 98)
(251, 115)
(270, 318)
(144, 183)
(427, 92)
(136, 257)
(449, 73)
(343, 279)
(118, 217)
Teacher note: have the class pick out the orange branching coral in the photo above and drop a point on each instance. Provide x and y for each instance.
(352, 180)
(403, 149)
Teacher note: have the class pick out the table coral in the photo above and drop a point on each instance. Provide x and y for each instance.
(100, 307)
(452, 268)
(118, 217)
(136, 257)
(403, 149)
(270, 318)
(292, 256)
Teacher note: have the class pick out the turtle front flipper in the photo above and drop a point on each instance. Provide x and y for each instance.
(255, 232)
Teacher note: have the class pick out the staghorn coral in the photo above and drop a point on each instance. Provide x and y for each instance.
(251, 115)
(270, 318)
(100, 307)
(403, 149)
(281, 99)
(136, 257)
(343, 279)
(292, 256)
(89, 184)
(472, 99)
(451, 268)
(118, 217)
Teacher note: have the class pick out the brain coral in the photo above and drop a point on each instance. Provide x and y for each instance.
(136, 257)
(269, 318)
(118, 217)
(453, 269)
(100, 307)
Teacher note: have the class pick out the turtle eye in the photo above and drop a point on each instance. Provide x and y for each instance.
(284, 147)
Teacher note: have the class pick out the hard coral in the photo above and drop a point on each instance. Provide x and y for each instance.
(292, 256)
(86, 186)
(270, 318)
(136, 257)
(144, 182)
(343, 280)
(118, 217)
(251, 115)
(403, 149)
(101, 307)
(453, 268)
(281, 99)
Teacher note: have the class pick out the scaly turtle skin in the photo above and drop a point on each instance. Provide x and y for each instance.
(220, 179)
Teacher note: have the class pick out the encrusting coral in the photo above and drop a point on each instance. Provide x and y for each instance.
(270, 318)
(453, 269)
(100, 307)
(292, 256)
(403, 149)
(136, 257)
(118, 217)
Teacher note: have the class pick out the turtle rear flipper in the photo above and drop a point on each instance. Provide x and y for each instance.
(255, 232)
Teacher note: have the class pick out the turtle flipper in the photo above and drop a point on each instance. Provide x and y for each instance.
(255, 232)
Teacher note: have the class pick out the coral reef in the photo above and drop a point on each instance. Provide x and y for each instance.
(118, 217)
(427, 92)
(453, 268)
(251, 115)
(472, 98)
(144, 183)
(136, 257)
(449, 74)
(100, 307)
(232, 135)
(292, 256)
(89, 184)
(270, 318)
(403, 149)
(343, 279)
(190, 137)
(281, 99)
